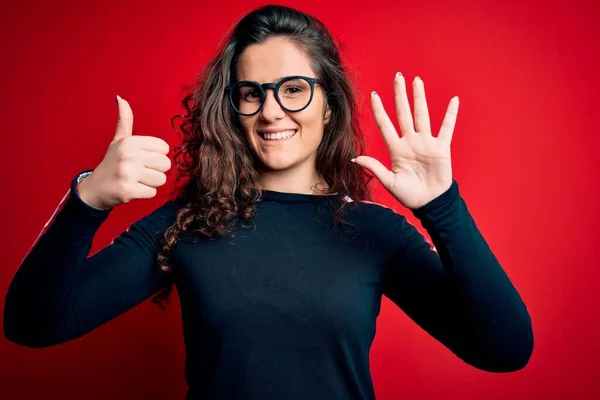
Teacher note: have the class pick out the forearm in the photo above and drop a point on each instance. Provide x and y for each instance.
(496, 310)
(38, 302)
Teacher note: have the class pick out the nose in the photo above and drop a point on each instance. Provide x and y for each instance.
(271, 110)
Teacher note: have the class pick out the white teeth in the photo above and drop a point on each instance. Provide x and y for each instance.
(279, 135)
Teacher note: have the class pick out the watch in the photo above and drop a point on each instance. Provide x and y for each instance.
(75, 187)
(81, 177)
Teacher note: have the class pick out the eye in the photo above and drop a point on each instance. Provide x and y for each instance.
(293, 89)
(251, 95)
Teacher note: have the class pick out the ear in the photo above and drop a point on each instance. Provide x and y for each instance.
(327, 115)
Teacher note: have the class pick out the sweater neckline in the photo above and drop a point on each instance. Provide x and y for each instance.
(272, 195)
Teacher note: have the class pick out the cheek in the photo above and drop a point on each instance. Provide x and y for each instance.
(245, 123)
(312, 121)
(247, 126)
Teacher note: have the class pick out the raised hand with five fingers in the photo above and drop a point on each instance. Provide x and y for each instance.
(421, 166)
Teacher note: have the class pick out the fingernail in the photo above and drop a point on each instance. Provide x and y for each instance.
(353, 160)
(117, 99)
(373, 93)
(398, 74)
(417, 79)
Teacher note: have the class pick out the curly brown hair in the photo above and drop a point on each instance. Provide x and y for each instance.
(214, 160)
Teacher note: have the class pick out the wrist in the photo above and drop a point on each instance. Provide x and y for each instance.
(85, 194)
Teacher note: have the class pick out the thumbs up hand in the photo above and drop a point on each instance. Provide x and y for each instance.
(133, 167)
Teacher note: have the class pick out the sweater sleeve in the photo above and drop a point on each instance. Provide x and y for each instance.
(59, 292)
(457, 291)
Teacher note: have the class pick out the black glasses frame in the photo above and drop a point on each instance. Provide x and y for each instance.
(271, 85)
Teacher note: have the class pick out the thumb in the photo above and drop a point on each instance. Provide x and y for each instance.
(125, 121)
(384, 175)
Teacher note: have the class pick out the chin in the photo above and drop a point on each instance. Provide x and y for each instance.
(276, 166)
(280, 163)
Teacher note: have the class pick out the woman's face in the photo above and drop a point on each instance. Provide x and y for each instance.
(269, 62)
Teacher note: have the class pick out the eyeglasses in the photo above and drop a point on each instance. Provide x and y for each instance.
(293, 93)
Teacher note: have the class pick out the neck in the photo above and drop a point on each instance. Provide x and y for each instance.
(303, 179)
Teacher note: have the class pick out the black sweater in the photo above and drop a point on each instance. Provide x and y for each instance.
(288, 309)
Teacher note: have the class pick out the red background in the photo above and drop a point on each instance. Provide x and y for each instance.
(525, 154)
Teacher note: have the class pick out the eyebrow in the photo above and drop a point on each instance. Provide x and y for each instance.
(276, 79)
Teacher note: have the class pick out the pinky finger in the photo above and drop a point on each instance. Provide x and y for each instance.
(142, 191)
(449, 122)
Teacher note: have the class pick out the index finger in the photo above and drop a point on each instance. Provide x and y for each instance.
(152, 143)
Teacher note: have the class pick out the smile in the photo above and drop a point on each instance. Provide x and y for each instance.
(277, 136)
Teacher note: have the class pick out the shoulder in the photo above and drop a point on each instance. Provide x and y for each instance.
(385, 225)
(165, 214)
(366, 208)
(375, 217)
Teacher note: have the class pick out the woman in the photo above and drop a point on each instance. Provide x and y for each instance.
(279, 259)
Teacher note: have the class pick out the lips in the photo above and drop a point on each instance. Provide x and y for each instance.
(280, 135)
(262, 131)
